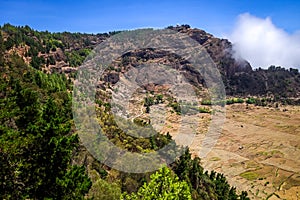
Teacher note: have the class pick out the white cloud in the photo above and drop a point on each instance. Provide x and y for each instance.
(263, 44)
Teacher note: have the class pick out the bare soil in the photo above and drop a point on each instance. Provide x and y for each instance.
(259, 151)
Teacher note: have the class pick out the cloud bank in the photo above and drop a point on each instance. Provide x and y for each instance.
(263, 44)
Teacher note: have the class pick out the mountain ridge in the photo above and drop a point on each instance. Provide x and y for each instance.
(64, 52)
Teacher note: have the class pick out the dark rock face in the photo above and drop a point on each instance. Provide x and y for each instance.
(59, 55)
(135, 58)
(238, 76)
(277, 81)
(220, 50)
(112, 78)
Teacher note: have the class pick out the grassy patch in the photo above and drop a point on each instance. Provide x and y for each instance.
(215, 159)
(271, 153)
(252, 164)
(249, 175)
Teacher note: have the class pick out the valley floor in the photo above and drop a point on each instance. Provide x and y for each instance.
(258, 148)
(259, 151)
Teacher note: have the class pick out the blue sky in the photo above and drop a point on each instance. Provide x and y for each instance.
(214, 16)
(264, 32)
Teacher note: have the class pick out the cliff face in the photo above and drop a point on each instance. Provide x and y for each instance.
(238, 76)
(64, 52)
(220, 50)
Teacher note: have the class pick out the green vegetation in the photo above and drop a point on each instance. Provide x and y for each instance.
(259, 101)
(206, 102)
(204, 185)
(36, 143)
(140, 122)
(204, 110)
(102, 189)
(234, 100)
(164, 185)
(215, 159)
(188, 108)
(249, 175)
(251, 100)
(76, 58)
(176, 107)
(151, 100)
(50, 61)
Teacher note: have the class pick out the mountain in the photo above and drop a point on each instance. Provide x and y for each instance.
(64, 52)
(238, 76)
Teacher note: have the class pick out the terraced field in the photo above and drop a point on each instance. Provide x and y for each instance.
(259, 151)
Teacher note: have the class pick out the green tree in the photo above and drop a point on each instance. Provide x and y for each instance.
(103, 190)
(73, 185)
(244, 196)
(45, 169)
(36, 144)
(164, 185)
(6, 175)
